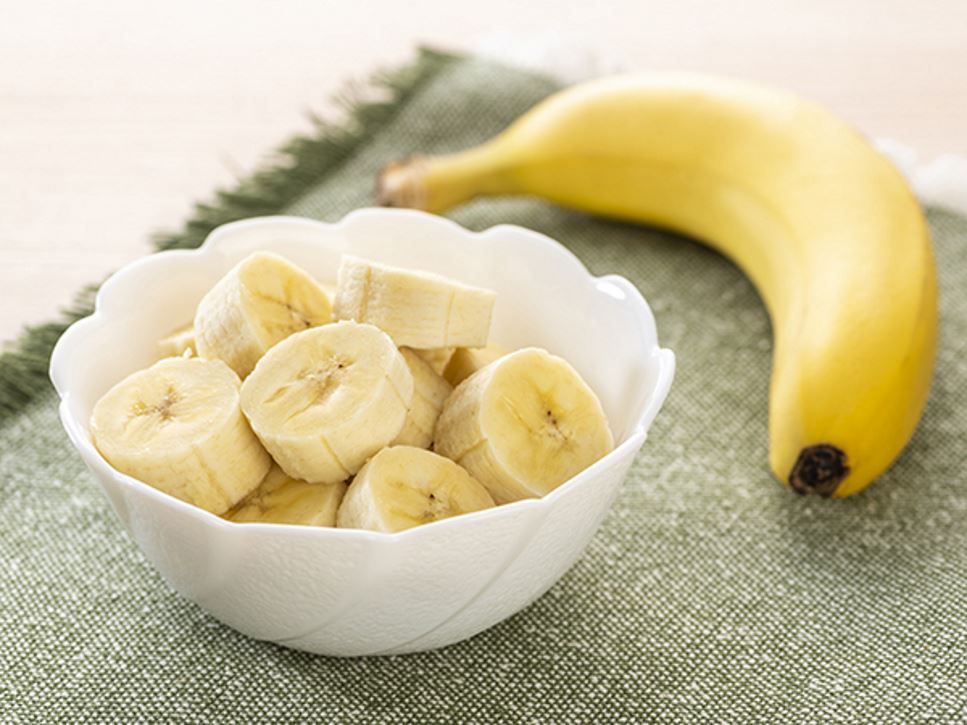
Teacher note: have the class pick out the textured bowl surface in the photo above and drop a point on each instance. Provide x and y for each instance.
(345, 592)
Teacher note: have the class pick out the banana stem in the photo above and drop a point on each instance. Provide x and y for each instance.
(437, 183)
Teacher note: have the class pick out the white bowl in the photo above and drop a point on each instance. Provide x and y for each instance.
(347, 592)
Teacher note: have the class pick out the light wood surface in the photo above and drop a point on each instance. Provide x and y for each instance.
(115, 116)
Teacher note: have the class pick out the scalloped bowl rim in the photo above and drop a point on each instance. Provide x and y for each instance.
(216, 241)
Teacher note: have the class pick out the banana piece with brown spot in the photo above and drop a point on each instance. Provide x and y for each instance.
(523, 425)
(178, 427)
(402, 487)
(325, 400)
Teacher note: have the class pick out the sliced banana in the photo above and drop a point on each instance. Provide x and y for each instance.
(465, 361)
(416, 309)
(281, 499)
(436, 357)
(402, 487)
(178, 426)
(180, 341)
(523, 425)
(430, 392)
(261, 301)
(324, 400)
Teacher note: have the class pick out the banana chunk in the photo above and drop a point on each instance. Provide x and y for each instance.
(430, 392)
(465, 361)
(324, 400)
(261, 301)
(523, 425)
(402, 487)
(436, 357)
(178, 342)
(281, 499)
(416, 309)
(178, 427)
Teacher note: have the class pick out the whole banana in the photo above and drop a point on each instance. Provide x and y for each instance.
(823, 225)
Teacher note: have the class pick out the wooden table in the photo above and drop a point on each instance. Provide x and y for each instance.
(115, 116)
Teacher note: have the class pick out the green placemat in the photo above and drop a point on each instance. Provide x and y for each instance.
(711, 593)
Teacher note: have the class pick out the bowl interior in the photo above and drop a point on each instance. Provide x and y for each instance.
(545, 298)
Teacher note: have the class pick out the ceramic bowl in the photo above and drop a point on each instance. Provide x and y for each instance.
(348, 592)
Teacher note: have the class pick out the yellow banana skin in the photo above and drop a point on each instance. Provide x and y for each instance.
(823, 225)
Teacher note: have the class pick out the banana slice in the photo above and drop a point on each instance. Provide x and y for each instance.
(523, 425)
(324, 400)
(281, 499)
(261, 301)
(402, 487)
(178, 426)
(416, 309)
(436, 357)
(430, 392)
(465, 361)
(178, 342)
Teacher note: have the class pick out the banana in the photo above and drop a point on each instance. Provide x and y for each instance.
(178, 342)
(281, 499)
(416, 309)
(430, 392)
(824, 226)
(465, 361)
(261, 301)
(523, 425)
(324, 400)
(402, 487)
(436, 357)
(178, 427)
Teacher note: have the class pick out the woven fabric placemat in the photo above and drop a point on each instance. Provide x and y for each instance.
(711, 593)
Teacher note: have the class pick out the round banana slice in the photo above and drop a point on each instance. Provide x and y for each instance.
(523, 425)
(178, 426)
(261, 301)
(416, 309)
(324, 400)
(430, 392)
(281, 499)
(465, 361)
(402, 487)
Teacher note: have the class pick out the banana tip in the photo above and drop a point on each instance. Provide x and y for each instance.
(818, 470)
